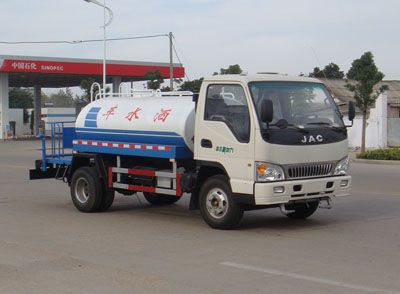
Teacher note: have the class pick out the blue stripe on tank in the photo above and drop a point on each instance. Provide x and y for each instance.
(91, 115)
(94, 109)
(90, 123)
(160, 140)
(133, 132)
(146, 137)
(178, 152)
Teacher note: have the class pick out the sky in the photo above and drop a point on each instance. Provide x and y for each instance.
(285, 36)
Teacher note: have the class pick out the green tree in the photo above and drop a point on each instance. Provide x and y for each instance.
(231, 70)
(20, 98)
(366, 74)
(193, 86)
(330, 71)
(86, 86)
(317, 73)
(63, 98)
(155, 80)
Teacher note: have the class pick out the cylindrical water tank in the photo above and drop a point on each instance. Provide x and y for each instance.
(150, 120)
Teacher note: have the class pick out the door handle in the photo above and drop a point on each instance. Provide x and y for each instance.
(206, 143)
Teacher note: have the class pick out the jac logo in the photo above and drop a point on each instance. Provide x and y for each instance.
(312, 139)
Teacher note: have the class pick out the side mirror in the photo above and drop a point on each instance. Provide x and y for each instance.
(352, 111)
(267, 111)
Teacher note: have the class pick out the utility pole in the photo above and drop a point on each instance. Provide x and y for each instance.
(104, 37)
(104, 51)
(171, 63)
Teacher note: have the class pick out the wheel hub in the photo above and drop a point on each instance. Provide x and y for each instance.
(82, 190)
(217, 203)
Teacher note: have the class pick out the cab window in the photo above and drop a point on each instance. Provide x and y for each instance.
(228, 104)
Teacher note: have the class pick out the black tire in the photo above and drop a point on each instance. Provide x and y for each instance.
(302, 210)
(86, 189)
(217, 205)
(160, 199)
(107, 199)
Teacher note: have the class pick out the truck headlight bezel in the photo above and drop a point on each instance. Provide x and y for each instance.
(268, 172)
(342, 166)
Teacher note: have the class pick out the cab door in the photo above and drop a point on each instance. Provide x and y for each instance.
(224, 133)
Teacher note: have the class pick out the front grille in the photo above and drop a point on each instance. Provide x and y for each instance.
(309, 170)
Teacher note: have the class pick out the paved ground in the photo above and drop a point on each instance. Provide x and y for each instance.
(46, 246)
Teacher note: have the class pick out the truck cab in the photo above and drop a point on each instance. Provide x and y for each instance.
(277, 140)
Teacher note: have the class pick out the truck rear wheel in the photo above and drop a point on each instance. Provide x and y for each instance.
(86, 189)
(217, 206)
(160, 199)
(108, 199)
(302, 210)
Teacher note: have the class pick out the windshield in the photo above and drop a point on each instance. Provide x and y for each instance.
(297, 105)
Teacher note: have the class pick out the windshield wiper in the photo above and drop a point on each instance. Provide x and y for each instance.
(302, 130)
(321, 123)
(283, 124)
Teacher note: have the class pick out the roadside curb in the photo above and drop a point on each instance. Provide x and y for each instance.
(374, 161)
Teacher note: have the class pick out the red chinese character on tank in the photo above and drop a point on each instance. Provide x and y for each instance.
(133, 114)
(162, 115)
(111, 111)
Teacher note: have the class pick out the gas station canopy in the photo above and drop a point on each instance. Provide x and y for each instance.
(48, 72)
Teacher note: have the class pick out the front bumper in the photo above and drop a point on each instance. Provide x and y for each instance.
(268, 193)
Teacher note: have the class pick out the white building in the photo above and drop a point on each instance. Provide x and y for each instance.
(383, 122)
(20, 127)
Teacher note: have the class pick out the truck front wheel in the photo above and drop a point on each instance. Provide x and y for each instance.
(160, 199)
(217, 206)
(302, 210)
(86, 189)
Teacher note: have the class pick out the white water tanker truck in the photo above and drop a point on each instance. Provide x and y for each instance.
(245, 142)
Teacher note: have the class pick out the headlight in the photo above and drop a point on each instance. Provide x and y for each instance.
(342, 166)
(268, 172)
